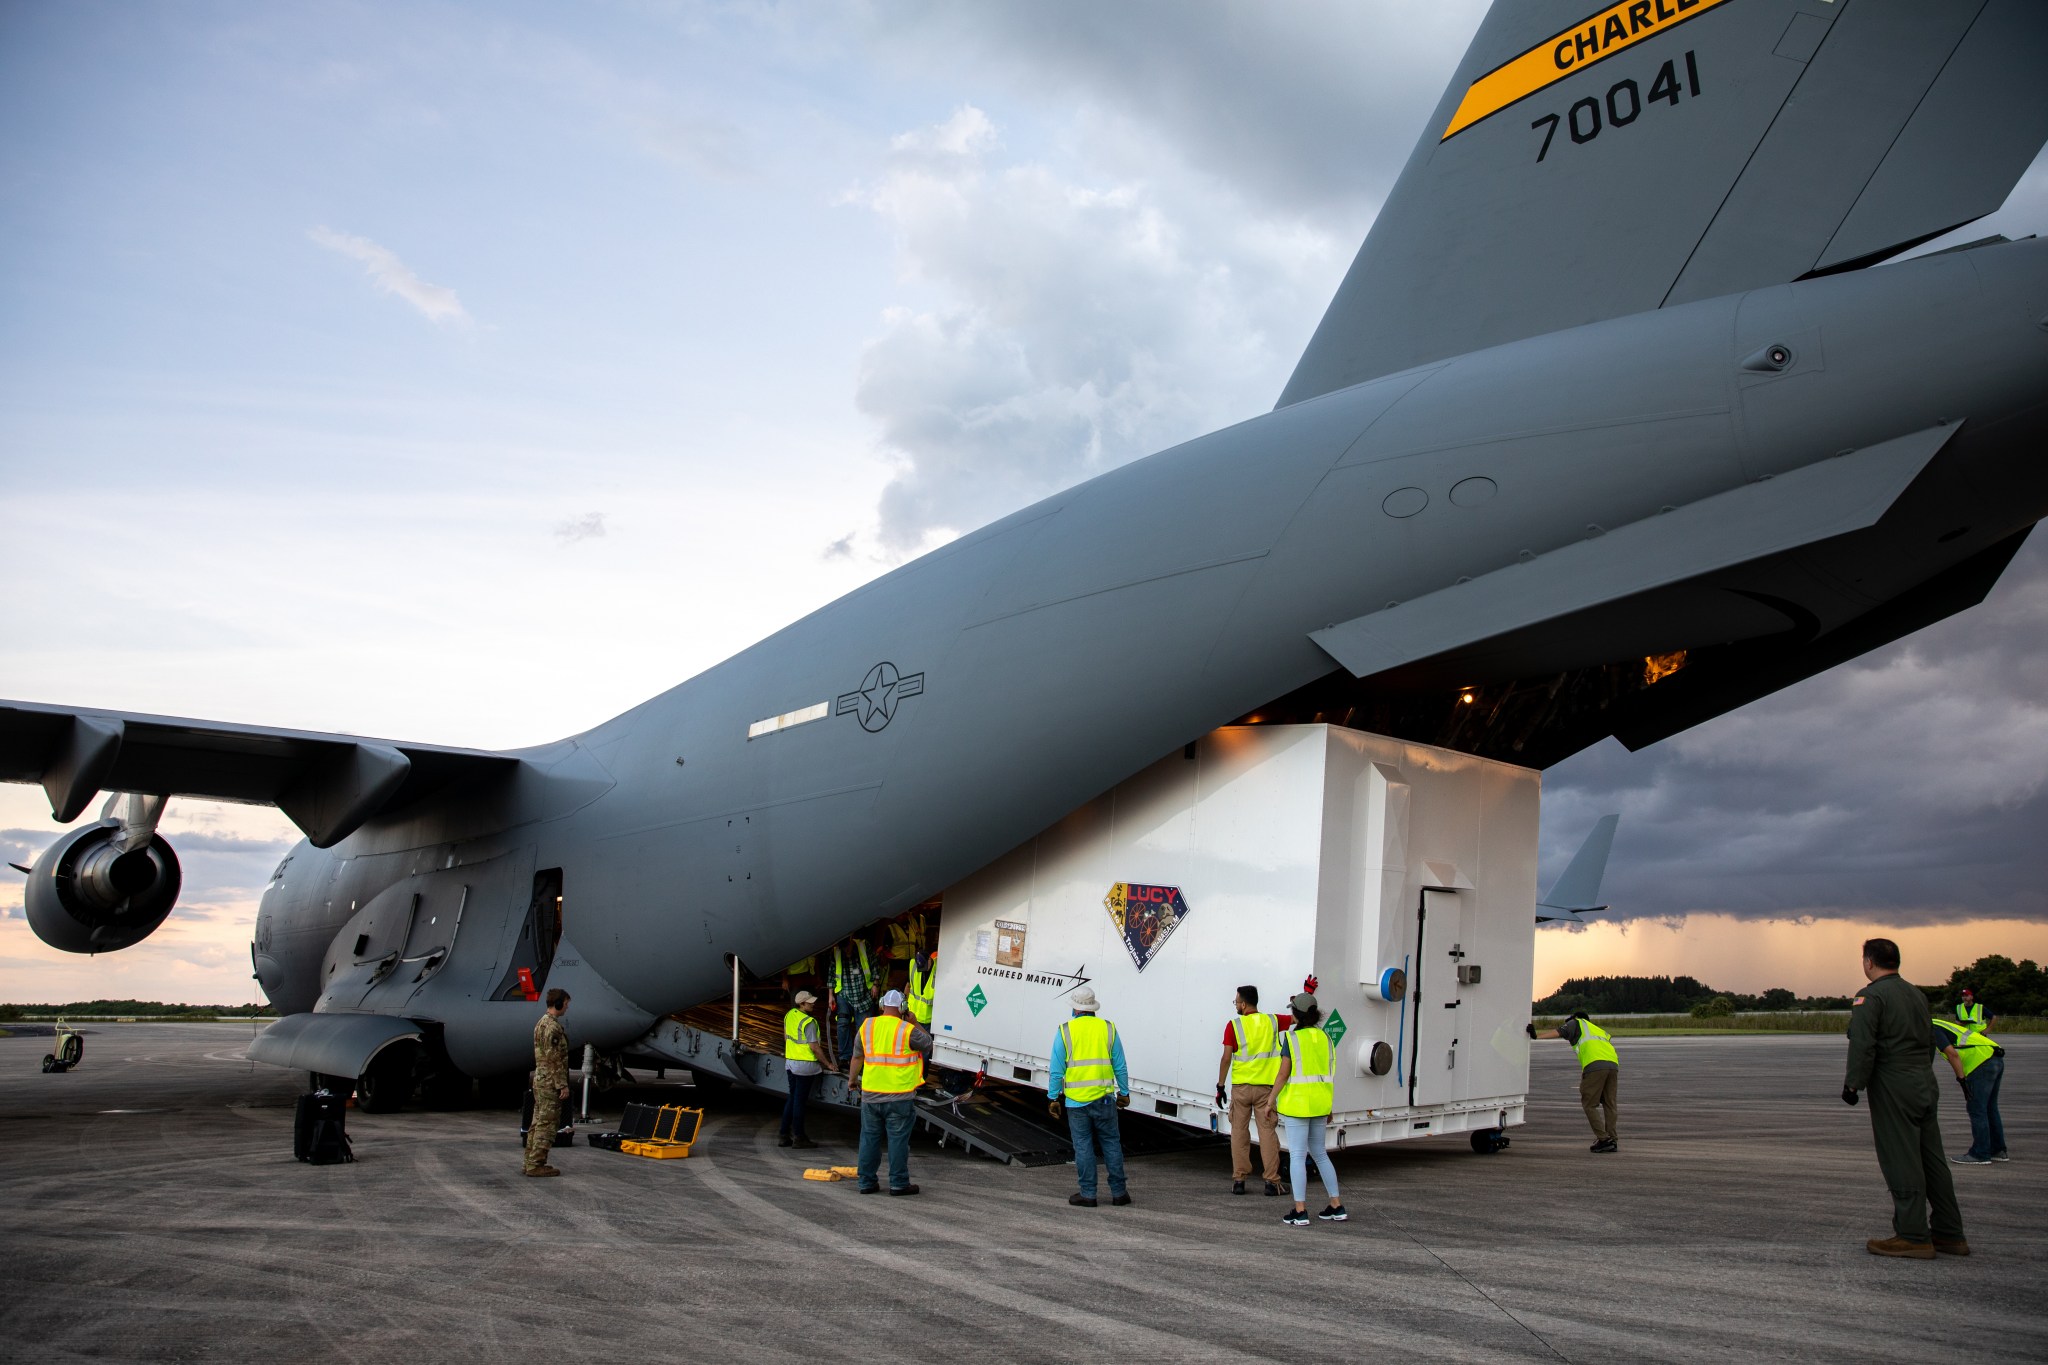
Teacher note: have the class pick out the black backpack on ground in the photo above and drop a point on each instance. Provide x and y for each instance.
(320, 1129)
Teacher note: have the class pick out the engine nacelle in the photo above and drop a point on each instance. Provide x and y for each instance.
(86, 895)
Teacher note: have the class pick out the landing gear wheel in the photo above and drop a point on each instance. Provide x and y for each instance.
(49, 1062)
(387, 1086)
(1487, 1141)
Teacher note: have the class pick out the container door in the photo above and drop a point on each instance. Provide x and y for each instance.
(1435, 1067)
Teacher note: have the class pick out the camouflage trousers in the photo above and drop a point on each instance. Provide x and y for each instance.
(547, 1117)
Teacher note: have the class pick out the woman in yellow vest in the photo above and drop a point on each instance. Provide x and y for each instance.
(1308, 1092)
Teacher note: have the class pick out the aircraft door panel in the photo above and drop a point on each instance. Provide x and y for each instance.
(1437, 1067)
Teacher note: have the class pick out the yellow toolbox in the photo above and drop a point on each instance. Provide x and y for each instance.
(662, 1133)
(659, 1151)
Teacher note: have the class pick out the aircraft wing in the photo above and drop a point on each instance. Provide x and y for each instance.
(1583, 167)
(328, 784)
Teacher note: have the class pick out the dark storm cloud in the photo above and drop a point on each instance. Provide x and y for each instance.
(1911, 783)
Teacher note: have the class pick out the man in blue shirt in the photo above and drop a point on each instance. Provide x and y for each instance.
(1089, 1083)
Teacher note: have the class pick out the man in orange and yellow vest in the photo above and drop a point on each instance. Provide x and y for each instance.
(1089, 1083)
(1251, 1063)
(888, 1067)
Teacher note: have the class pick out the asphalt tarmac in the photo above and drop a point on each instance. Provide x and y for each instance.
(151, 1210)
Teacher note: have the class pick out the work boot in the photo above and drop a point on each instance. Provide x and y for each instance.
(1121, 1200)
(543, 1170)
(1899, 1246)
(782, 1141)
(1951, 1246)
(1272, 1187)
(907, 1189)
(1237, 1187)
(1081, 1201)
(801, 1141)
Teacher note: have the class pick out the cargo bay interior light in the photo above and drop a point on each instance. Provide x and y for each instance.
(788, 719)
(1659, 666)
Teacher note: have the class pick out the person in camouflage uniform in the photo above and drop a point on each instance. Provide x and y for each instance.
(1891, 1041)
(550, 1082)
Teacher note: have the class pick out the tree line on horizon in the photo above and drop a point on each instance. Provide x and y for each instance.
(139, 1009)
(2002, 985)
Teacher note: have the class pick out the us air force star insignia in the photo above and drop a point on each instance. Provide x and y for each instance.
(875, 702)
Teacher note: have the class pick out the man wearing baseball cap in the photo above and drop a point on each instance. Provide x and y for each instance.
(888, 1067)
(801, 1066)
(1089, 1083)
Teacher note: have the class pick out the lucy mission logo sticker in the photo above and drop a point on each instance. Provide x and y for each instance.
(1596, 38)
(1145, 917)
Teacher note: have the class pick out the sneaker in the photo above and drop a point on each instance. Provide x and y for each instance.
(1237, 1187)
(1081, 1201)
(1605, 1145)
(1272, 1187)
(1295, 1218)
(1333, 1214)
(1899, 1246)
(1967, 1160)
(782, 1141)
(2001, 1156)
(1121, 1200)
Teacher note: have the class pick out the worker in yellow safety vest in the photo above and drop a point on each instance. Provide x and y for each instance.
(1970, 1013)
(888, 1067)
(801, 1066)
(1307, 1086)
(1251, 1063)
(1088, 1083)
(1599, 1074)
(854, 987)
(1979, 1064)
(924, 970)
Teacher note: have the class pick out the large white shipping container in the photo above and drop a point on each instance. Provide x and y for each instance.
(1400, 875)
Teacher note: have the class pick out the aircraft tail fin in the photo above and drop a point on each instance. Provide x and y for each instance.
(1581, 167)
(1578, 890)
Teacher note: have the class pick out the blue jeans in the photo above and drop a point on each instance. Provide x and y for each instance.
(850, 1020)
(897, 1118)
(1093, 1127)
(793, 1107)
(1987, 1130)
(1305, 1140)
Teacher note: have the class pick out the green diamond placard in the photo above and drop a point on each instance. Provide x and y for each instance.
(976, 1001)
(1335, 1028)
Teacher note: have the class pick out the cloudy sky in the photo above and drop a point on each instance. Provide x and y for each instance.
(471, 373)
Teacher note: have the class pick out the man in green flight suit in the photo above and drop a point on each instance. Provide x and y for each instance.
(550, 1083)
(1891, 1044)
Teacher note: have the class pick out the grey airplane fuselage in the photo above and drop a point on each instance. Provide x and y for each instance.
(1048, 656)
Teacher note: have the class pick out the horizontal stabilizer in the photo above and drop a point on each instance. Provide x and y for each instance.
(328, 784)
(331, 1044)
(1578, 890)
(1829, 498)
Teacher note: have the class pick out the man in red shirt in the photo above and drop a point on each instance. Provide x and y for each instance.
(1251, 1063)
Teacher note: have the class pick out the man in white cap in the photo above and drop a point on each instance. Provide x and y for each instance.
(888, 1067)
(801, 1042)
(1089, 1084)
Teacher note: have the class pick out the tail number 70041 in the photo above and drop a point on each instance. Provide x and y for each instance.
(1624, 104)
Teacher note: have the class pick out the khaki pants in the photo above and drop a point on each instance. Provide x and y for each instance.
(1247, 1101)
(1598, 1090)
(547, 1117)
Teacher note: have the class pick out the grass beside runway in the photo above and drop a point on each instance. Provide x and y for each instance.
(1740, 1025)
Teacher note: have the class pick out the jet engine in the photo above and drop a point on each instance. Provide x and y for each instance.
(102, 887)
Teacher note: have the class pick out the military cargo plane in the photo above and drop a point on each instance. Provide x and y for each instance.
(1615, 424)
